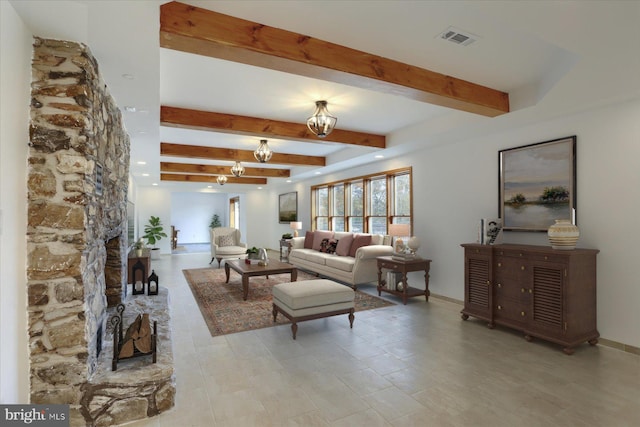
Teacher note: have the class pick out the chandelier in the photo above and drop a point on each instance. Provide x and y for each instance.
(263, 153)
(222, 180)
(237, 170)
(322, 122)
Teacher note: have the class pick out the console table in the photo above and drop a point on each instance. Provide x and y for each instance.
(404, 266)
(543, 292)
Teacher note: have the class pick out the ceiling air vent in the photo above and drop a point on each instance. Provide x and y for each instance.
(457, 36)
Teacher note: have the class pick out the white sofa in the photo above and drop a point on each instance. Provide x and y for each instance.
(353, 270)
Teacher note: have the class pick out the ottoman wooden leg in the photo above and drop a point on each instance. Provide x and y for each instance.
(294, 329)
(275, 313)
(351, 317)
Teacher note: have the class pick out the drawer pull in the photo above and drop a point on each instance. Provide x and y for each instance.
(499, 264)
(522, 313)
(522, 290)
(488, 283)
(530, 291)
(546, 257)
(500, 285)
(499, 307)
(522, 268)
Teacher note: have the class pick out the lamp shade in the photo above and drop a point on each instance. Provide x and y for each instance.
(322, 122)
(399, 230)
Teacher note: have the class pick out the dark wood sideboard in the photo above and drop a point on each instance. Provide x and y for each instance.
(543, 292)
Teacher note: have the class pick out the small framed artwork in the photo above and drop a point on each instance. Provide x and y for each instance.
(538, 184)
(288, 207)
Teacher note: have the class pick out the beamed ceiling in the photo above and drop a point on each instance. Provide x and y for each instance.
(203, 32)
(209, 79)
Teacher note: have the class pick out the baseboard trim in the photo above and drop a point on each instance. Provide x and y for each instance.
(602, 341)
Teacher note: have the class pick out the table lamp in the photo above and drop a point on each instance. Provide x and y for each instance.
(295, 226)
(399, 231)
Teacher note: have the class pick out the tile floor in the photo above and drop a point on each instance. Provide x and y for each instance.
(413, 365)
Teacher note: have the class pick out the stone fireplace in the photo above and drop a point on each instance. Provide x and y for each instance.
(76, 235)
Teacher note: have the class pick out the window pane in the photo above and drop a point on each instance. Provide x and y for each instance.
(357, 208)
(402, 195)
(323, 223)
(323, 202)
(337, 223)
(338, 200)
(378, 196)
(378, 225)
(356, 225)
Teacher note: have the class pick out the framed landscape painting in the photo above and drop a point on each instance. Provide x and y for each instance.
(538, 184)
(288, 207)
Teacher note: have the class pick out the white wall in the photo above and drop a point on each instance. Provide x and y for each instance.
(15, 79)
(191, 213)
(456, 184)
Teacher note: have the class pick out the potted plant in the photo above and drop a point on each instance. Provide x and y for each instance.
(215, 221)
(139, 246)
(153, 232)
(252, 253)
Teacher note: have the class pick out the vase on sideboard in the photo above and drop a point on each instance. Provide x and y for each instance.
(563, 235)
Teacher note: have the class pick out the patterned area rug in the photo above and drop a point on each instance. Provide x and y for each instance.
(225, 312)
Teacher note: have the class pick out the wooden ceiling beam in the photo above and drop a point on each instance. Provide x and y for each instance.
(221, 170)
(191, 29)
(213, 153)
(207, 178)
(243, 125)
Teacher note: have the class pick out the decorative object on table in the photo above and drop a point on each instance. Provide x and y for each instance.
(321, 123)
(538, 184)
(221, 179)
(152, 284)
(563, 235)
(263, 257)
(287, 236)
(153, 233)
(237, 169)
(139, 246)
(139, 340)
(490, 231)
(263, 153)
(400, 249)
(226, 312)
(288, 207)
(413, 244)
(252, 254)
(139, 273)
(295, 226)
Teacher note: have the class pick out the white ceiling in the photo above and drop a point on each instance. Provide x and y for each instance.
(553, 57)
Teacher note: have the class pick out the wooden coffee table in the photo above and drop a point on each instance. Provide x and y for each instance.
(250, 270)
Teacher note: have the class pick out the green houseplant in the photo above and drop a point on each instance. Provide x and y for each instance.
(215, 221)
(153, 232)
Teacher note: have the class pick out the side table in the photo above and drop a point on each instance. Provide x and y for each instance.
(285, 243)
(404, 266)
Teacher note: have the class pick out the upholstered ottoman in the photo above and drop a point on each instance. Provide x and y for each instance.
(312, 299)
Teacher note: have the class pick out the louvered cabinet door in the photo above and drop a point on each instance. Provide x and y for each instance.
(477, 283)
(547, 299)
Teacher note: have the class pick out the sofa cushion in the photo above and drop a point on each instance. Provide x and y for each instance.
(344, 245)
(377, 239)
(359, 240)
(227, 240)
(318, 236)
(301, 253)
(308, 240)
(341, 263)
(316, 257)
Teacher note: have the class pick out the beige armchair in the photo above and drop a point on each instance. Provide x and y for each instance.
(225, 244)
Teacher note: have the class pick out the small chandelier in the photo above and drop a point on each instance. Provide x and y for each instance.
(222, 180)
(322, 122)
(263, 152)
(237, 170)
